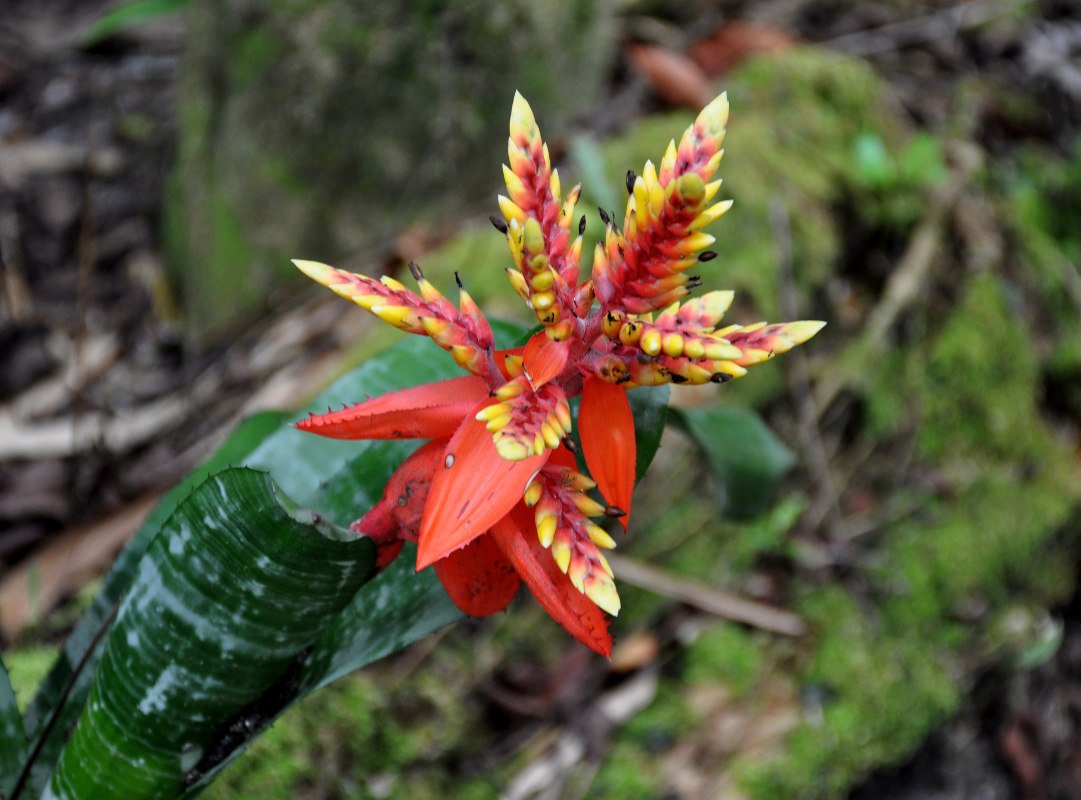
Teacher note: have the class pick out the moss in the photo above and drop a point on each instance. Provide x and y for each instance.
(664, 722)
(980, 382)
(26, 667)
(626, 775)
(885, 667)
(726, 653)
(878, 690)
(357, 736)
(255, 51)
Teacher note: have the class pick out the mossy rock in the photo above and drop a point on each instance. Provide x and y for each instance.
(320, 129)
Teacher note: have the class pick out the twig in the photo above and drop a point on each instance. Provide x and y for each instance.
(943, 24)
(545, 777)
(799, 376)
(706, 598)
(13, 273)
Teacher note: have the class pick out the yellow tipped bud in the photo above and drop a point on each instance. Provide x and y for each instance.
(546, 527)
(493, 411)
(368, 301)
(672, 344)
(561, 552)
(468, 358)
(532, 493)
(563, 414)
(695, 242)
(542, 301)
(729, 368)
(717, 349)
(510, 210)
(515, 187)
(496, 424)
(630, 332)
(398, 316)
(603, 593)
(800, 332)
(696, 374)
(599, 536)
(317, 271)
(512, 449)
(588, 506)
(694, 348)
(551, 436)
(711, 214)
(612, 324)
(532, 236)
(553, 184)
(434, 326)
(517, 280)
(509, 390)
(578, 571)
(651, 342)
(391, 283)
(542, 281)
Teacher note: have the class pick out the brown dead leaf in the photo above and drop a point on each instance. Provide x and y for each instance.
(58, 570)
(675, 78)
(731, 44)
(634, 652)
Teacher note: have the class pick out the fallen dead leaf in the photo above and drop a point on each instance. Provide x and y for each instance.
(733, 43)
(674, 77)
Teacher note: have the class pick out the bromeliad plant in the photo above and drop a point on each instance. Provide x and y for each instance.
(236, 599)
(496, 496)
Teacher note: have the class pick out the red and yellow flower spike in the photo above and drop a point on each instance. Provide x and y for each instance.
(496, 498)
(662, 228)
(538, 228)
(463, 332)
(562, 514)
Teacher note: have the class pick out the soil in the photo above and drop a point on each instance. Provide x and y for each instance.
(91, 343)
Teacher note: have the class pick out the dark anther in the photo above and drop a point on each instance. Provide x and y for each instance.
(414, 270)
(458, 280)
(720, 377)
(707, 255)
(630, 181)
(677, 379)
(568, 442)
(582, 225)
(612, 215)
(615, 512)
(607, 220)
(499, 224)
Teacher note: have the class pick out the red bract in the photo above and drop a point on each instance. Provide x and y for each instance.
(495, 497)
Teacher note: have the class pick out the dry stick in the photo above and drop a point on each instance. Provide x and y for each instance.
(943, 24)
(828, 501)
(910, 274)
(706, 598)
(545, 776)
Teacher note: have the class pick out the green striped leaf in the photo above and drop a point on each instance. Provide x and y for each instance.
(231, 593)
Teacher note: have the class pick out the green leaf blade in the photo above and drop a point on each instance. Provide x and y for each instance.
(232, 590)
(745, 455)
